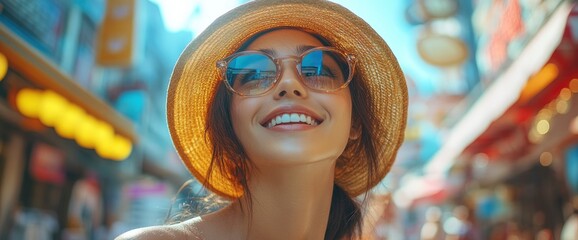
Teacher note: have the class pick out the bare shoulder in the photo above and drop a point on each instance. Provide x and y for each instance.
(184, 230)
(217, 225)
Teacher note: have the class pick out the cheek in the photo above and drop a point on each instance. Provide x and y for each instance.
(337, 131)
(242, 115)
(342, 107)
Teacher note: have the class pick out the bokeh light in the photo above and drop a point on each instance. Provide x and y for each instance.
(122, 148)
(565, 94)
(71, 118)
(103, 132)
(3, 66)
(574, 85)
(85, 132)
(546, 159)
(52, 107)
(27, 102)
(543, 127)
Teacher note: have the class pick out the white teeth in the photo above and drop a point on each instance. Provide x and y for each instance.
(292, 118)
(285, 118)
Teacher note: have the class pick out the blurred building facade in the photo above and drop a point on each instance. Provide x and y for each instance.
(84, 149)
(507, 150)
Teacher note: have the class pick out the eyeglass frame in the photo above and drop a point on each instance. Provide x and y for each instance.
(222, 65)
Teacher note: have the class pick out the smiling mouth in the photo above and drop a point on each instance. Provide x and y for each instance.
(291, 118)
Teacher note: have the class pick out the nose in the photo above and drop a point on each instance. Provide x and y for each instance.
(289, 84)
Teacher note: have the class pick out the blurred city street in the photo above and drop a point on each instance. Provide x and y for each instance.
(490, 150)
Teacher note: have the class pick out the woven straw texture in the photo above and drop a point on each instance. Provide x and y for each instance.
(195, 79)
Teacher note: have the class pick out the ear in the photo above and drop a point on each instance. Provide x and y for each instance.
(355, 131)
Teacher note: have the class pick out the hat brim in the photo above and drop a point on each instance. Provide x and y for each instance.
(195, 79)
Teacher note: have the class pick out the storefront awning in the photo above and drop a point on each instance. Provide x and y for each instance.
(503, 92)
(45, 74)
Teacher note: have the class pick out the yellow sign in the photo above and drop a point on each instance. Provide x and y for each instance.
(116, 37)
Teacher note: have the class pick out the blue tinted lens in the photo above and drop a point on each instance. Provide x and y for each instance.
(324, 70)
(252, 73)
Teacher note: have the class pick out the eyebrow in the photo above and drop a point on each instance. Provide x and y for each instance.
(298, 49)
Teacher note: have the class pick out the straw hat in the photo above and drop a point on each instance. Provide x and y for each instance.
(196, 78)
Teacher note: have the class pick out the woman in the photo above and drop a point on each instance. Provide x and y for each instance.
(304, 110)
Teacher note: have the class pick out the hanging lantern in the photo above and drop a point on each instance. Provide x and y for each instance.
(52, 106)
(27, 102)
(104, 148)
(103, 132)
(85, 132)
(122, 148)
(68, 123)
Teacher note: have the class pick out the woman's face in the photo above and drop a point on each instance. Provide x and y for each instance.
(322, 138)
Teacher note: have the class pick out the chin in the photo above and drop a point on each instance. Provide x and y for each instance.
(294, 155)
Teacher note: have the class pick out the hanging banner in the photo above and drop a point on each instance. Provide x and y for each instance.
(117, 34)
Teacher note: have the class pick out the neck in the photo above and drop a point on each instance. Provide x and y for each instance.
(292, 200)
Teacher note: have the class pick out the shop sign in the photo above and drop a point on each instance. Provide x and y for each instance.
(47, 164)
(503, 28)
(117, 34)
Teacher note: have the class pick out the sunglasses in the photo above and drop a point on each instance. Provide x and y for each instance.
(254, 73)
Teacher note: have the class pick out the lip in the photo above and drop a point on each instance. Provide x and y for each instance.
(290, 109)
